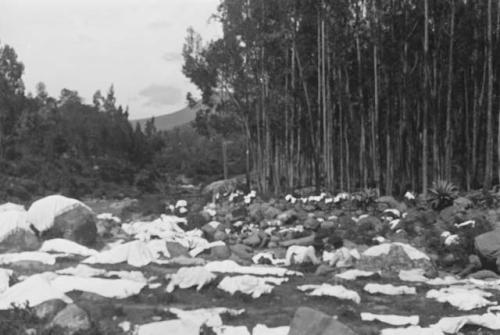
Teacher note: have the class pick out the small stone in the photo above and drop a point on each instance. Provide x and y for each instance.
(48, 309)
(72, 318)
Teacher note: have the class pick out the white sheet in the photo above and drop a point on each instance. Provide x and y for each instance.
(190, 276)
(354, 274)
(413, 330)
(229, 266)
(452, 325)
(42, 212)
(246, 284)
(35, 290)
(12, 220)
(465, 299)
(135, 253)
(109, 288)
(389, 289)
(383, 249)
(260, 329)
(34, 256)
(66, 246)
(337, 291)
(395, 320)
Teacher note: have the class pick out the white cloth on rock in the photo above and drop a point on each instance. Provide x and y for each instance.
(66, 246)
(383, 249)
(354, 274)
(34, 290)
(135, 253)
(32, 256)
(190, 276)
(246, 284)
(9, 206)
(229, 266)
(394, 320)
(412, 330)
(463, 298)
(43, 212)
(389, 289)
(109, 288)
(12, 220)
(337, 291)
(260, 329)
(452, 325)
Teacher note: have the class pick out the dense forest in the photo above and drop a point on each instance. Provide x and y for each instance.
(65, 145)
(354, 94)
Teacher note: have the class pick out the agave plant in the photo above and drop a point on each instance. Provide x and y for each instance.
(442, 194)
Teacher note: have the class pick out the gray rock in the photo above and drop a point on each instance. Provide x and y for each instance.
(308, 321)
(77, 224)
(72, 318)
(48, 309)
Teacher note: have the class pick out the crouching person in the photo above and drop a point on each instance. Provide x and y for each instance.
(335, 256)
(486, 254)
(298, 254)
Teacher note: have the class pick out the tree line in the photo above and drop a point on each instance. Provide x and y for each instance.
(353, 94)
(65, 145)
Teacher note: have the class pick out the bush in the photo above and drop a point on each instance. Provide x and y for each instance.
(442, 194)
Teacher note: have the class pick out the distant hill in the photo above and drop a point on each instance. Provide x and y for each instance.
(169, 121)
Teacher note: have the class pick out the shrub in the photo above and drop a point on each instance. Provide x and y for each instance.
(442, 194)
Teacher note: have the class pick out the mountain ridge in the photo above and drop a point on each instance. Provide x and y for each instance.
(171, 120)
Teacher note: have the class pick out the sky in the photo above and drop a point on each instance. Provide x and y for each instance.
(86, 45)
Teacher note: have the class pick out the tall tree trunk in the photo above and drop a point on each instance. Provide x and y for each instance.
(375, 115)
(426, 98)
(448, 140)
(489, 112)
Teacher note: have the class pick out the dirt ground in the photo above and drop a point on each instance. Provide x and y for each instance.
(275, 309)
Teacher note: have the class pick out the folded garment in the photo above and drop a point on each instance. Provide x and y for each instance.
(389, 289)
(395, 320)
(62, 245)
(413, 275)
(34, 290)
(109, 288)
(229, 266)
(190, 276)
(413, 330)
(452, 325)
(33, 256)
(135, 253)
(82, 270)
(246, 284)
(464, 298)
(231, 330)
(354, 274)
(264, 330)
(337, 291)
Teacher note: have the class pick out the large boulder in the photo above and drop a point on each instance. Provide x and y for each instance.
(308, 321)
(15, 233)
(57, 216)
(390, 258)
(261, 211)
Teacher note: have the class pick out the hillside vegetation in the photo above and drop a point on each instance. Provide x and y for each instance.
(64, 145)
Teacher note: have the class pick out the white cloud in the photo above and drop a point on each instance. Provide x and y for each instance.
(161, 95)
